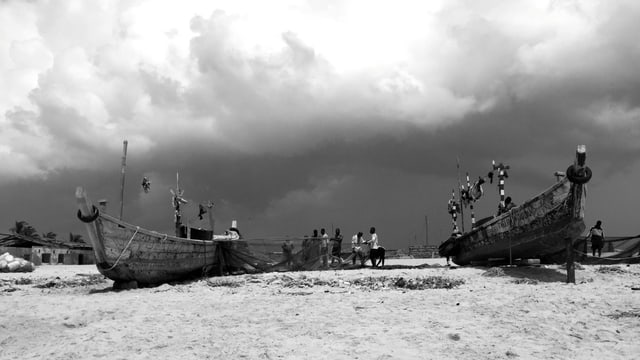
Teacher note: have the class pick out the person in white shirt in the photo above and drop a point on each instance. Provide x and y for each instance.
(356, 248)
(375, 250)
(373, 242)
(324, 247)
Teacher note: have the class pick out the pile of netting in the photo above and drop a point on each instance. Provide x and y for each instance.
(291, 254)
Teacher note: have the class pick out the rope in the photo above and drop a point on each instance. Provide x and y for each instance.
(125, 249)
(204, 266)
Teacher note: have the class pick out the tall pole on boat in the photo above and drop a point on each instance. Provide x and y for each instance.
(502, 174)
(460, 195)
(124, 165)
(176, 204)
(470, 200)
(212, 221)
(453, 211)
(426, 230)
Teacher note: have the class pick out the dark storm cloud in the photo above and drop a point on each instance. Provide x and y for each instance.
(285, 125)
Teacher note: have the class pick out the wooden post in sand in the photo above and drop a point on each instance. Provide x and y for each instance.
(571, 270)
(579, 174)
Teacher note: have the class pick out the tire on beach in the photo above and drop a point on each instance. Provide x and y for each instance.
(579, 176)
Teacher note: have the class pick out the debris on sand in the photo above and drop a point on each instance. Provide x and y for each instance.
(494, 272)
(365, 282)
(80, 280)
(610, 270)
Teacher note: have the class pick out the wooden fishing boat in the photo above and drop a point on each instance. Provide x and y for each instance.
(133, 256)
(539, 227)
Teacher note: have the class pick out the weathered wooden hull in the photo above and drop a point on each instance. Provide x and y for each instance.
(127, 253)
(532, 230)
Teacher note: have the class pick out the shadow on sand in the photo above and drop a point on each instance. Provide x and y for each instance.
(529, 274)
(103, 291)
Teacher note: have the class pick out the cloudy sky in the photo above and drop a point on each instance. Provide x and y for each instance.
(294, 115)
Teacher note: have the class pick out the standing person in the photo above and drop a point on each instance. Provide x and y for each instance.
(287, 251)
(375, 250)
(365, 250)
(324, 247)
(356, 248)
(309, 248)
(597, 238)
(508, 204)
(373, 242)
(336, 247)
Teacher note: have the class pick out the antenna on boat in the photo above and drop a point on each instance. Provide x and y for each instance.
(124, 165)
(454, 209)
(469, 200)
(177, 200)
(502, 174)
(212, 221)
(460, 188)
(470, 195)
(426, 230)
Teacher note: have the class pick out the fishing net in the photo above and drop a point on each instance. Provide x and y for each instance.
(292, 254)
(624, 250)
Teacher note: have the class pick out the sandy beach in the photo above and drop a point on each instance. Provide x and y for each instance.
(71, 312)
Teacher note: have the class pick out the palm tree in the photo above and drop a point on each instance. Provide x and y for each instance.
(75, 238)
(23, 228)
(50, 235)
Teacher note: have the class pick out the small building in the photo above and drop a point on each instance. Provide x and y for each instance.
(40, 251)
(424, 251)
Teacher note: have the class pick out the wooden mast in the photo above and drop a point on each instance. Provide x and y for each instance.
(124, 165)
(426, 230)
(212, 221)
(176, 205)
(460, 197)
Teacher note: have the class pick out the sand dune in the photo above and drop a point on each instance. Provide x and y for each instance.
(70, 312)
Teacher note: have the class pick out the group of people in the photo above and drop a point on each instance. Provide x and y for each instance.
(330, 249)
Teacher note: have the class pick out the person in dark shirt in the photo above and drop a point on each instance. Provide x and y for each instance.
(508, 204)
(597, 238)
(287, 251)
(336, 247)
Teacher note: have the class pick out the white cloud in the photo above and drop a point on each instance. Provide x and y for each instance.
(617, 118)
(285, 77)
